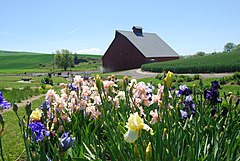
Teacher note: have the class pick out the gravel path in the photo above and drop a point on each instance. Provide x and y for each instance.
(24, 102)
(137, 73)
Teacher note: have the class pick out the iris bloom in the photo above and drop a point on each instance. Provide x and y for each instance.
(36, 115)
(188, 105)
(38, 131)
(168, 79)
(134, 125)
(66, 141)
(183, 90)
(3, 103)
(184, 113)
(215, 85)
(154, 115)
(212, 94)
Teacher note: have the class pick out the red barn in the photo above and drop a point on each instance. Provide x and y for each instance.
(131, 49)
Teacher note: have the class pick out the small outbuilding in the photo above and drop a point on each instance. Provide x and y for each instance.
(131, 49)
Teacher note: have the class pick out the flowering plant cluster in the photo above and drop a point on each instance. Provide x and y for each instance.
(95, 119)
(47, 80)
(3, 103)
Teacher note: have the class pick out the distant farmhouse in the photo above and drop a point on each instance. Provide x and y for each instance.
(131, 49)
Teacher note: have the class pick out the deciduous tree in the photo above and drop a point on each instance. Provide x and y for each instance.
(229, 47)
(64, 59)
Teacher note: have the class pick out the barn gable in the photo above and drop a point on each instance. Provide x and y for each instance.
(122, 55)
(150, 44)
(131, 49)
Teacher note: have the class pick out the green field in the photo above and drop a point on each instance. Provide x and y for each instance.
(18, 62)
(216, 63)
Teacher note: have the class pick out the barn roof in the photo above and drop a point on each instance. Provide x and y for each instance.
(149, 44)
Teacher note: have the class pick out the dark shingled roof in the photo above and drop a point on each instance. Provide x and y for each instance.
(149, 44)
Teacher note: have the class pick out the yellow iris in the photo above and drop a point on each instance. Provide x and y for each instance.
(135, 123)
(36, 114)
(168, 79)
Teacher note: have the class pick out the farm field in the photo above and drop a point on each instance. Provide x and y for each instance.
(216, 63)
(21, 62)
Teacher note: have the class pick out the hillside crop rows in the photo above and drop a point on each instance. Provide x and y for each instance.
(217, 63)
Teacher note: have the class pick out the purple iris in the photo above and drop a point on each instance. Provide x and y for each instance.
(215, 85)
(149, 94)
(212, 95)
(3, 103)
(45, 105)
(38, 131)
(188, 105)
(66, 141)
(184, 113)
(183, 90)
(85, 77)
(71, 87)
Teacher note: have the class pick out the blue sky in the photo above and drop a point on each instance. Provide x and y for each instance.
(188, 26)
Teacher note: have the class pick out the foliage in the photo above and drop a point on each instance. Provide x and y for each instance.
(12, 135)
(234, 79)
(200, 53)
(3, 103)
(94, 119)
(180, 78)
(217, 63)
(75, 59)
(237, 48)
(64, 59)
(47, 80)
(17, 95)
(229, 47)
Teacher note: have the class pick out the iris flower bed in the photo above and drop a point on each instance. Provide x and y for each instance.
(94, 119)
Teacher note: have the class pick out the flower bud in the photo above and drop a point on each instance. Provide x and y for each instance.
(15, 107)
(136, 151)
(98, 82)
(28, 108)
(1, 120)
(168, 79)
(149, 151)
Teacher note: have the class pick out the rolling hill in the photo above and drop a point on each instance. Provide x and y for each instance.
(13, 61)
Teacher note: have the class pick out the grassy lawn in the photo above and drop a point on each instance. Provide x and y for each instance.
(13, 145)
(12, 134)
(13, 81)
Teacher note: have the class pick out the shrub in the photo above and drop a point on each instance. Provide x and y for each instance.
(47, 80)
(196, 77)
(236, 75)
(160, 76)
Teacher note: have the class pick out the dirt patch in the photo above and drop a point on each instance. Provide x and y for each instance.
(24, 102)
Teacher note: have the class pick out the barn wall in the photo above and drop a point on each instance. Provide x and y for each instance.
(122, 55)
